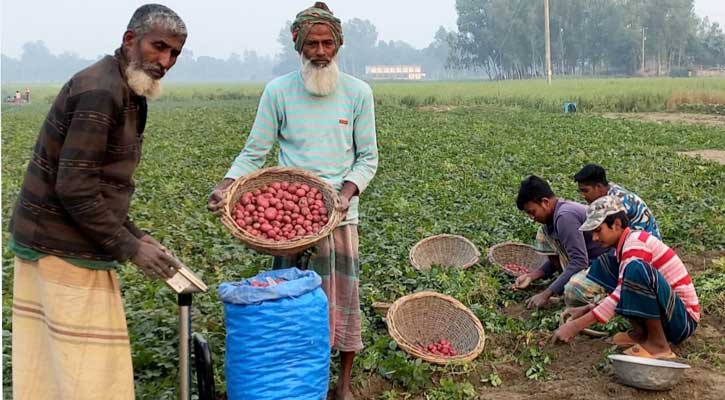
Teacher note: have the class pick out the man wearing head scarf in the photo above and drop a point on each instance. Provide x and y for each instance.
(70, 228)
(324, 122)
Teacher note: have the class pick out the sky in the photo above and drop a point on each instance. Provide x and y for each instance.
(218, 28)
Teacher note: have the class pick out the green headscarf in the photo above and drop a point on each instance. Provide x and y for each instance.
(317, 14)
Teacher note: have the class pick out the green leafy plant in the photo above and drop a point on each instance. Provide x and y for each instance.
(537, 360)
(448, 170)
(451, 390)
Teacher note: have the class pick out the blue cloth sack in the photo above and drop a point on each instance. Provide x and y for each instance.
(278, 337)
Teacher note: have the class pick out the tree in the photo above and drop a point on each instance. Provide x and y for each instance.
(435, 56)
(287, 60)
(360, 37)
(706, 45)
(588, 36)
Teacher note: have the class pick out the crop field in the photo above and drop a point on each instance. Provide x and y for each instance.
(451, 158)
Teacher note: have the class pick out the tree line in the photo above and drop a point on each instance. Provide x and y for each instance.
(497, 39)
(362, 47)
(505, 38)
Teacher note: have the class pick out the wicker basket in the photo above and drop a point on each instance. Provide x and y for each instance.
(515, 253)
(444, 250)
(381, 308)
(264, 177)
(422, 318)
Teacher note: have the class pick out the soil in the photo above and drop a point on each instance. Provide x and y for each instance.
(682, 118)
(437, 108)
(713, 155)
(579, 371)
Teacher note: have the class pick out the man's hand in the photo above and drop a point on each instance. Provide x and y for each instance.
(575, 312)
(348, 190)
(344, 203)
(566, 332)
(522, 282)
(215, 198)
(154, 260)
(539, 300)
(151, 240)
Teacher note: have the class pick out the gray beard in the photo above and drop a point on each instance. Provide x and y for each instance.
(142, 83)
(319, 81)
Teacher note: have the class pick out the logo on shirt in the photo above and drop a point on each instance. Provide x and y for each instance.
(343, 121)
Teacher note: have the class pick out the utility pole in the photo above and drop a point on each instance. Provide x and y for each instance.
(562, 71)
(643, 28)
(547, 37)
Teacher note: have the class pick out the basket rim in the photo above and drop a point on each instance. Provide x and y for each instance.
(475, 259)
(492, 249)
(411, 349)
(284, 247)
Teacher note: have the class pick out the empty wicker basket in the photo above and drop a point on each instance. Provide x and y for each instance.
(515, 253)
(266, 176)
(444, 250)
(422, 318)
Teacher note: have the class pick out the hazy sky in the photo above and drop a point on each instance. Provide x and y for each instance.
(217, 28)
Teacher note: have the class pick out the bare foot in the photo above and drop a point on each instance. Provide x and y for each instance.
(343, 392)
(640, 351)
(657, 350)
(637, 335)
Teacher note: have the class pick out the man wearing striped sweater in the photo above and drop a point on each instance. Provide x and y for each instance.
(324, 122)
(654, 290)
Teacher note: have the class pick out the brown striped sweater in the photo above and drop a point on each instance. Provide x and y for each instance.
(77, 188)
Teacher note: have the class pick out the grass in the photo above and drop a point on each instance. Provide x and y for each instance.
(591, 95)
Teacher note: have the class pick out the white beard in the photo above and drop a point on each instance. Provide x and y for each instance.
(142, 83)
(319, 81)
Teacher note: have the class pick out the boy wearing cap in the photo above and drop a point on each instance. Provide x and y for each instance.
(654, 290)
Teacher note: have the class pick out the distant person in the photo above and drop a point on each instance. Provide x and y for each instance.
(560, 220)
(324, 122)
(70, 228)
(654, 290)
(27, 95)
(18, 98)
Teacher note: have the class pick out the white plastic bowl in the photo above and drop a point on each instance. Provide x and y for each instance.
(647, 373)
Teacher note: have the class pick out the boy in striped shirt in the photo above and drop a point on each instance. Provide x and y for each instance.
(654, 290)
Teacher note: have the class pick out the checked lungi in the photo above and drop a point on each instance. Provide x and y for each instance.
(591, 285)
(335, 259)
(581, 290)
(645, 294)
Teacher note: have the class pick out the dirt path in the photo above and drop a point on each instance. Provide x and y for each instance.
(579, 370)
(713, 155)
(681, 118)
(660, 117)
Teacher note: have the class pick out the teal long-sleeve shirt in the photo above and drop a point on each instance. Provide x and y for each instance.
(332, 136)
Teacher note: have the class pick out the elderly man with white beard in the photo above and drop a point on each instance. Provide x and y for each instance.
(324, 122)
(70, 229)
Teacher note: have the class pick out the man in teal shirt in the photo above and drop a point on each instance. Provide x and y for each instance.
(324, 122)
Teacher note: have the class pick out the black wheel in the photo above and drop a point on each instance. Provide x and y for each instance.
(204, 368)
